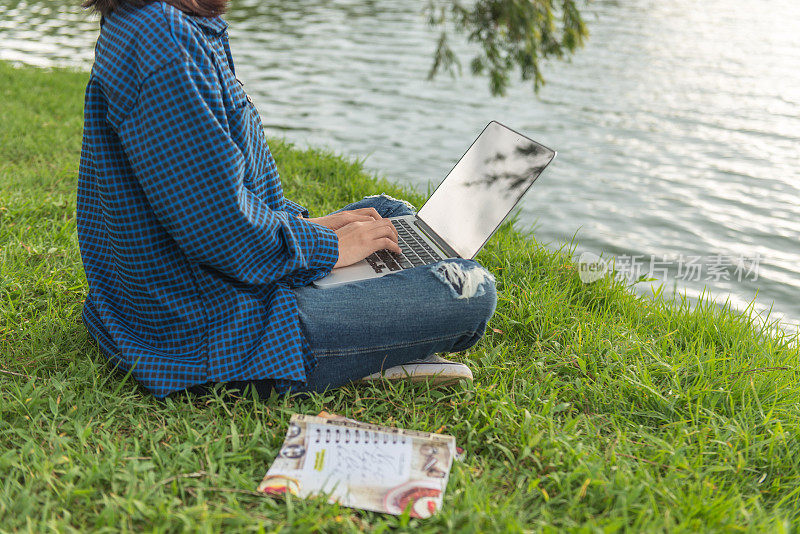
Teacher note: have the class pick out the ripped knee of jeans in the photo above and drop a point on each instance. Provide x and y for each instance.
(464, 281)
(387, 197)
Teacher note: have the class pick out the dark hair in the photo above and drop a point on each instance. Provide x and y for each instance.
(198, 8)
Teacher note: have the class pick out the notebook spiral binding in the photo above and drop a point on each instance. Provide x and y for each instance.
(357, 436)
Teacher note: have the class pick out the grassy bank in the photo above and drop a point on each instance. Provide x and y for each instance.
(592, 408)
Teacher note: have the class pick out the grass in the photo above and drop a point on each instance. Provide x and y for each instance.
(593, 409)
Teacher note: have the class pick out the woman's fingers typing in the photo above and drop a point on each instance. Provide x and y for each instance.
(359, 239)
(372, 213)
(386, 227)
(334, 221)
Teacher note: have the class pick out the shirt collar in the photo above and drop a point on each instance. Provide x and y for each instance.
(213, 25)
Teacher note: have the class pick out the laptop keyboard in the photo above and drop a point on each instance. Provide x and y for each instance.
(416, 251)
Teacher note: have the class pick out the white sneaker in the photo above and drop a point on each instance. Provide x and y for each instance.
(434, 369)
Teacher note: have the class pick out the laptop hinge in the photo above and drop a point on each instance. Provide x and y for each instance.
(435, 238)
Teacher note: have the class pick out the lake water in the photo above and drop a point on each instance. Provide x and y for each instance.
(677, 126)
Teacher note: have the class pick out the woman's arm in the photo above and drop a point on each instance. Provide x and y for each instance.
(177, 140)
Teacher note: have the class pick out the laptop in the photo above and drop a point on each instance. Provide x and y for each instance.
(464, 211)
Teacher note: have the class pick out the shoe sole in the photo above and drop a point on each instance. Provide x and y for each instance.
(435, 375)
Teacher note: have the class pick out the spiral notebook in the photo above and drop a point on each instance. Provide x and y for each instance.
(365, 466)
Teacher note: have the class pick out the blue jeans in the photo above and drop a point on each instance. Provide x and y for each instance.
(363, 327)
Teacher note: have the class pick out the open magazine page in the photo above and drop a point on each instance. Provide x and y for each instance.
(365, 466)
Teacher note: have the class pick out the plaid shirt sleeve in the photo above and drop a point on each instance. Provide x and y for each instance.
(294, 207)
(191, 172)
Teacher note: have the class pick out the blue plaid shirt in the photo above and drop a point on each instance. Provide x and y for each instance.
(189, 246)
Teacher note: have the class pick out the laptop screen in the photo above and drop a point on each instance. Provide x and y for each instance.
(483, 188)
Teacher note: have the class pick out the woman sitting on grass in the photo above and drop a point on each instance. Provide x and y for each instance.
(198, 267)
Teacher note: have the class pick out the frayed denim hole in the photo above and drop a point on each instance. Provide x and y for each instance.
(387, 197)
(463, 283)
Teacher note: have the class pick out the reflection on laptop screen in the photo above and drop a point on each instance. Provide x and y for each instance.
(483, 187)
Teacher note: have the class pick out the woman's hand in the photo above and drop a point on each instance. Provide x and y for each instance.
(334, 221)
(359, 239)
